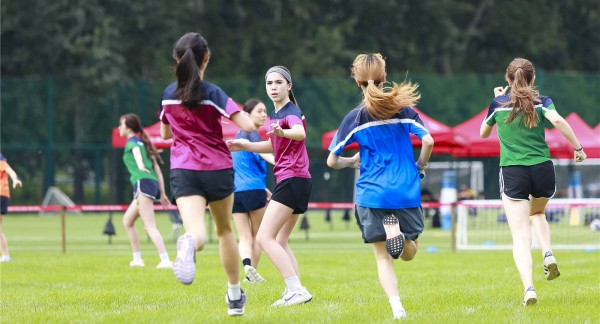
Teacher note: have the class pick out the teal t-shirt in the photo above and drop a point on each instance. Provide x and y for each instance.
(137, 174)
(519, 144)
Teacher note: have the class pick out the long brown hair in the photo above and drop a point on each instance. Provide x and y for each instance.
(190, 51)
(132, 121)
(382, 102)
(523, 95)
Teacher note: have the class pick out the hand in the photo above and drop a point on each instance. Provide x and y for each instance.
(580, 155)
(356, 161)
(421, 169)
(498, 91)
(144, 170)
(164, 201)
(269, 194)
(237, 144)
(17, 183)
(276, 130)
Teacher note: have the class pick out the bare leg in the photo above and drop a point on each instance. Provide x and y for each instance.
(385, 269)
(228, 248)
(256, 217)
(540, 224)
(517, 213)
(244, 230)
(283, 238)
(192, 209)
(146, 211)
(276, 216)
(3, 241)
(129, 218)
(410, 249)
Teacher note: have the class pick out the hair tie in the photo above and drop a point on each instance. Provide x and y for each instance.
(370, 81)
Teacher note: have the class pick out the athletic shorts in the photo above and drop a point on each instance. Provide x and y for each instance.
(148, 188)
(4, 201)
(212, 185)
(519, 181)
(294, 193)
(249, 200)
(370, 222)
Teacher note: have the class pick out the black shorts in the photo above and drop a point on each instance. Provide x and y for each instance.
(519, 181)
(212, 185)
(370, 222)
(4, 202)
(249, 200)
(148, 188)
(294, 193)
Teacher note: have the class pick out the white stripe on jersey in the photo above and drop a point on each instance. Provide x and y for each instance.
(379, 123)
(203, 102)
(511, 108)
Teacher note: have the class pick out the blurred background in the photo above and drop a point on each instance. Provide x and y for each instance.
(71, 68)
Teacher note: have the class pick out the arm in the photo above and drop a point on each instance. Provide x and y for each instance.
(268, 157)
(165, 131)
(485, 130)
(245, 145)
(338, 162)
(295, 133)
(164, 200)
(137, 155)
(565, 129)
(13, 175)
(243, 121)
(426, 149)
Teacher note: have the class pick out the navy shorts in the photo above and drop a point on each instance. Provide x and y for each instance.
(370, 222)
(148, 188)
(4, 201)
(212, 185)
(249, 200)
(294, 193)
(519, 181)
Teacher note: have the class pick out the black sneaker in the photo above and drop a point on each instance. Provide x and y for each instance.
(394, 239)
(236, 307)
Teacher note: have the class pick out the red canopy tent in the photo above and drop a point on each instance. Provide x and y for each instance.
(597, 129)
(589, 139)
(230, 129)
(477, 146)
(443, 135)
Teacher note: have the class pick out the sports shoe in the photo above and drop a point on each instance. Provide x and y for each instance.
(550, 266)
(394, 238)
(5, 259)
(185, 263)
(236, 307)
(530, 297)
(252, 275)
(137, 263)
(399, 313)
(293, 296)
(165, 264)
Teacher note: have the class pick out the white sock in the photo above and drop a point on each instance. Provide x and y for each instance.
(164, 256)
(234, 292)
(137, 256)
(293, 282)
(396, 304)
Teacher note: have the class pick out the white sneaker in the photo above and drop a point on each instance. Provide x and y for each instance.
(185, 262)
(165, 264)
(137, 263)
(550, 267)
(293, 296)
(5, 259)
(399, 314)
(530, 297)
(252, 275)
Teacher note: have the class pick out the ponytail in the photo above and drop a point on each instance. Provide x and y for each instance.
(190, 52)
(523, 95)
(132, 121)
(150, 149)
(384, 103)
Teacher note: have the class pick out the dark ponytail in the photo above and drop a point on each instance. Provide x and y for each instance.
(132, 121)
(190, 51)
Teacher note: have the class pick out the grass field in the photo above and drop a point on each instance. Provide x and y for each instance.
(93, 283)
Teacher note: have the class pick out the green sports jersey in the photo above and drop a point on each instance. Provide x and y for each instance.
(520, 145)
(137, 174)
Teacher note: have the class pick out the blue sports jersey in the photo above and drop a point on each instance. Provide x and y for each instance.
(250, 169)
(389, 178)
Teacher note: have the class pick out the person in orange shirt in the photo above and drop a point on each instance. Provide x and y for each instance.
(5, 172)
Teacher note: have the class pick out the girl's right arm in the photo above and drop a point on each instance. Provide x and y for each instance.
(565, 129)
(137, 156)
(338, 162)
(245, 145)
(242, 119)
(164, 200)
(165, 131)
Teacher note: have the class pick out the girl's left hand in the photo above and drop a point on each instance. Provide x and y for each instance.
(237, 144)
(164, 201)
(356, 161)
(275, 130)
(498, 91)
(144, 170)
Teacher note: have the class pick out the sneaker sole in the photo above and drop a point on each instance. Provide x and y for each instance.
(253, 275)
(394, 239)
(530, 301)
(184, 266)
(552, 271)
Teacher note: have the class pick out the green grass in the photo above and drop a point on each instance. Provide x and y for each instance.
(92, 282)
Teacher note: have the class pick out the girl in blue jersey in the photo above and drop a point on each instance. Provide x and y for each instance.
(287, 137)
(201, 164)
(141, 160)
(251, 193)
(527, 179)
(388, 200)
